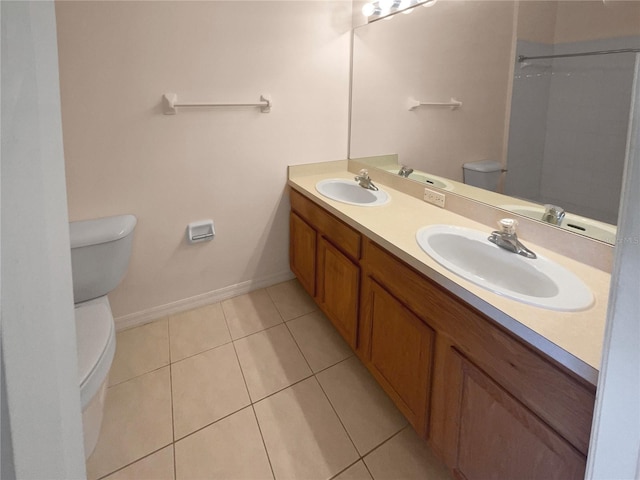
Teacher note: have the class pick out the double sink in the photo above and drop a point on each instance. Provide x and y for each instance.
(469, 254)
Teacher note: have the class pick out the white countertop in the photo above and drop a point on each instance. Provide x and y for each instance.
(573, 339)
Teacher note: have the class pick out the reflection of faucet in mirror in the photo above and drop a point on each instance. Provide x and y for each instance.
(364, 180)
(506, 238)
(553, 214)
(405, 171)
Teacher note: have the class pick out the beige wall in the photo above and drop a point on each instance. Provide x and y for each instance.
(594, 19)
(577, 20)
(537, 21)
(124, 156)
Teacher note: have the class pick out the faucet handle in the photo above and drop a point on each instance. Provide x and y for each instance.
(508, 225)
(363, 173)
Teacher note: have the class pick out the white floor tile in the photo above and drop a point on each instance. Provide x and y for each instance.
(140, 350)
(320, 342)
(366, 411)
(206, 387)
(405, 456)
(197, 330)
(229, 449)
(157, 466)
(270, 361)
(137, 421)
(291, 300)
(357, 471)
(250, 313)
(303, 435)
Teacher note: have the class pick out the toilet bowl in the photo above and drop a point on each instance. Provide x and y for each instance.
(100, 251)
(96, 341)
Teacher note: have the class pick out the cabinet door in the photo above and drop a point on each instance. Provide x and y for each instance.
(338, 289)
(499, 438)
(399, 353)
(302, 252)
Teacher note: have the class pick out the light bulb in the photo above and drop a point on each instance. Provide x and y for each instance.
(368, 9)
(405, 4)
(385, 5)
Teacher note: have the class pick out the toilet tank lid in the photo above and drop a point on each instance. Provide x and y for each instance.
(100, 230)
(483, 166)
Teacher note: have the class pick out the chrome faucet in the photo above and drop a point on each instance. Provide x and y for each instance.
(405, 171)
(553, 214)
(364, 181)
(506, 238)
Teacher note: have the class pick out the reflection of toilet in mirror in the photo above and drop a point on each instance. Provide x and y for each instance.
(100, 251)
(483, 174)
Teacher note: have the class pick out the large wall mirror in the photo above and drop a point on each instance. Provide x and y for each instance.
(541, 88)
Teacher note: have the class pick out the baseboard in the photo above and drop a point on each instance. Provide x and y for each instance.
(149, 315)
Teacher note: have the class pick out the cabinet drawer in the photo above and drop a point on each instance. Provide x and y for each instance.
(339, 233)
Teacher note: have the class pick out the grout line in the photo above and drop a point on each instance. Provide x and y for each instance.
(211, 423)
(339, 418)
(203, 351)
(283, 388)
(315, 310)
(264, 444)
(173, 423)
(408, 425)
(140, 375)
(135, 461)
(344, 469)
(367, 466)
(259, 331)
(175, 463)
(336, 363)
(299, 349)
(244, 379)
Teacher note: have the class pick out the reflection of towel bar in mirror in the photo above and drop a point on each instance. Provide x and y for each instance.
(170, 104)
(453, 104)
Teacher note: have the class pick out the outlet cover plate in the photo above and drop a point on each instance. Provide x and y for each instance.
(434, 198)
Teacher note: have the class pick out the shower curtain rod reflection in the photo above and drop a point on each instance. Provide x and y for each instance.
(522, 58)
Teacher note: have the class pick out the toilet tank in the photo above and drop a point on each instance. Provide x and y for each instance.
(483, 174)
(100, 251)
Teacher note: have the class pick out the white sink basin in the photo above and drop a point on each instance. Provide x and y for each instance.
(574, 223)
(538, 282)
(349, 191)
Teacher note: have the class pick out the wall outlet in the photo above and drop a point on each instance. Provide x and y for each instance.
(433, 197)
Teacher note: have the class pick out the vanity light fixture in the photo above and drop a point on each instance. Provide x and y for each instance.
(383, 8)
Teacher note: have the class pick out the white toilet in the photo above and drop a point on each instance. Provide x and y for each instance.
(483, 174)
(100, 251)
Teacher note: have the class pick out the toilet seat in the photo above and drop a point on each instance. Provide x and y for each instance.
(96, 343)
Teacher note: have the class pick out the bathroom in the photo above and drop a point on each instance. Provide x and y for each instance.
(123, 156)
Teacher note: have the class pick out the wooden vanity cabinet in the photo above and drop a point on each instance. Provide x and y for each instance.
(324, 253)
(495, 407)
(490, 405)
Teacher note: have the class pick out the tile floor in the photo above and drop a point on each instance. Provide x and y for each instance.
(260, 386)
